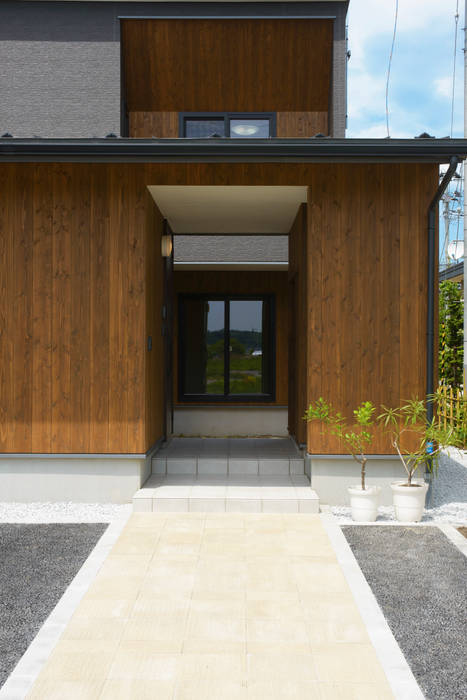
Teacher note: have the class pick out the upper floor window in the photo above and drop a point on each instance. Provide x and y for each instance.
(230, 124)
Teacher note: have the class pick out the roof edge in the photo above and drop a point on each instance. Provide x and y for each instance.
(236, 150)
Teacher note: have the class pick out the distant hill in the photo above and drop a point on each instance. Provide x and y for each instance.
(250, 339)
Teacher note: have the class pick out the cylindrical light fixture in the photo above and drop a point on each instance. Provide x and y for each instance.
(166, 246)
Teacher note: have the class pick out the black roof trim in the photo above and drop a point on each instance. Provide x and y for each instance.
(234, 150)
(451, 271)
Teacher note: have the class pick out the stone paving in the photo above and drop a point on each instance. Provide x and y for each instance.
(216, 606)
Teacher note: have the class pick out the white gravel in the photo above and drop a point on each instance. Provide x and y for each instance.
(63, 512)
(446, 503)
(447, 500)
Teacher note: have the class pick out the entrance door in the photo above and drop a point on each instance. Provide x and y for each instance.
(167, 331)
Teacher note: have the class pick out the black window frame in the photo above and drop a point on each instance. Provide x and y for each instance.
(226, 116)
(268, 397)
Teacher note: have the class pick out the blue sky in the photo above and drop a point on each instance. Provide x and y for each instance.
(421, 72)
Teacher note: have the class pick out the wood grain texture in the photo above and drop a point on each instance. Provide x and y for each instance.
(76, 271)
(154, 383)
(367, 236)
(229, 282)
(165, 125)
(298, 347)
(80, 271)
(212, 65)
(161, 125)
(302, 124)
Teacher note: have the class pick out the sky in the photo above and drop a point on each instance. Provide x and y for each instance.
(421, 71)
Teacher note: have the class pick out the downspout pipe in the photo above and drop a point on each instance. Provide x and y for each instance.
(432, 261)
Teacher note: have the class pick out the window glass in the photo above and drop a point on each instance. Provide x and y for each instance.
(225, 361)
(204, 128)
(249, 128)
(204, 346)
(246, 347)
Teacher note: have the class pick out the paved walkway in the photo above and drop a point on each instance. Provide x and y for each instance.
(216, 607)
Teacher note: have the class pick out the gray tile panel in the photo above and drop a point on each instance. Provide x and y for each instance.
(231, 248)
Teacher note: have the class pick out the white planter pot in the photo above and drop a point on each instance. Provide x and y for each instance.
(409, 501)
(364, 504)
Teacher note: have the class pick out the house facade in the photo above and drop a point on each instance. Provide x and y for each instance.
(189, 244)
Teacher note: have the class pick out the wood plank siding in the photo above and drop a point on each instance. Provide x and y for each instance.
(297, 331)
(161, 125)
(367, 273)
(212, 65)
(80, 272)
(229, 282)
(81, 283)
(165, 125)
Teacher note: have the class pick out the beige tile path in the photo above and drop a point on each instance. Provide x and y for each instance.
(199, 606)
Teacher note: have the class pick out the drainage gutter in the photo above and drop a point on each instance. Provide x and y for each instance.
(432, 257)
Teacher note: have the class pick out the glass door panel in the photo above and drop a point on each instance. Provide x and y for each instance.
(246, 346)
(204, 355)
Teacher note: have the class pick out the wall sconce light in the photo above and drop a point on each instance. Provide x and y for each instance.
(166, 246)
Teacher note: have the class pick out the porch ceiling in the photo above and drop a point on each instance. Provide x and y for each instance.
(229, 209)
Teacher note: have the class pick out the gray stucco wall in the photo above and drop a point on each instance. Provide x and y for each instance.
(231, 248)
(60, 61)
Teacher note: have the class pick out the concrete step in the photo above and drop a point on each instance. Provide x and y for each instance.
(212, 465)
(232, 494)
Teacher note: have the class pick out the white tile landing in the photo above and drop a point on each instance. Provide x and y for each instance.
(217, 475)
(219, 494)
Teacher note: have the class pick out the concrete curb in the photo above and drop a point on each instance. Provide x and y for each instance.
(399, 675)
(31, 663)
(455, 537)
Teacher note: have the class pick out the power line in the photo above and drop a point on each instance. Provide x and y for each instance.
(389, 64)
(456, 22)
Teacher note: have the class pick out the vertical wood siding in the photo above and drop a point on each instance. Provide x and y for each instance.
(80, 284)
(165, 125)
(367, 238)
(73, 250)
(298, 349)
(212, 65)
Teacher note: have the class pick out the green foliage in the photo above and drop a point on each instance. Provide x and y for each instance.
(249, 339)
(452, 411)
(451, 334)
(216, 349)
(356, 436)
(410, 420)
(237, 347)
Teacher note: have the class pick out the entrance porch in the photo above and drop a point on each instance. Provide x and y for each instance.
(228, 475)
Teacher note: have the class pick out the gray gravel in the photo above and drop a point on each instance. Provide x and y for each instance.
(37, 564)
(419, 579)
(450, 483)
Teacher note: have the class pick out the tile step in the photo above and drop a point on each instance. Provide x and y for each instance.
(228, 466)
(247, 495)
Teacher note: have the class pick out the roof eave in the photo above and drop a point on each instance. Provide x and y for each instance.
(131, 150)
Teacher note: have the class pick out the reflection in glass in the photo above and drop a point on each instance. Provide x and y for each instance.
(204, 351)
(246, 347)
(204, 128)
(249, 128)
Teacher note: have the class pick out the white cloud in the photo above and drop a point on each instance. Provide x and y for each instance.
(369, 18)
(443, 86)
(421, 81)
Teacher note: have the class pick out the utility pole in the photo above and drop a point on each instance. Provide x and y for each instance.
(465, 204)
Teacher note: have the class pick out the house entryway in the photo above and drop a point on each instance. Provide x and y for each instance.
(243, 475)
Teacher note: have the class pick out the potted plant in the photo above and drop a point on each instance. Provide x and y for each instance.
(423, 443)
(356, 437)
